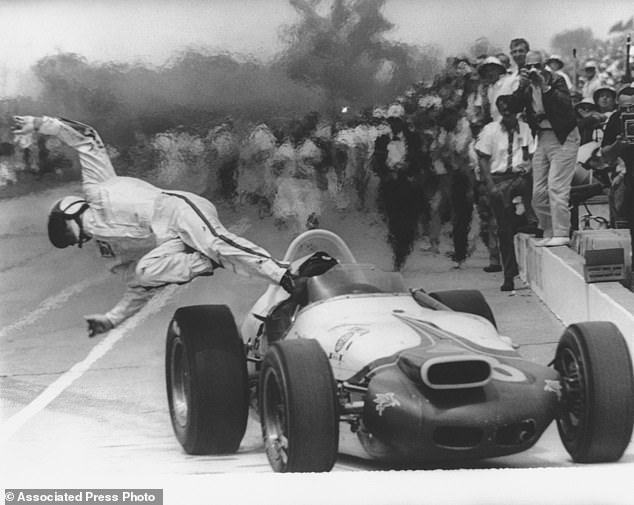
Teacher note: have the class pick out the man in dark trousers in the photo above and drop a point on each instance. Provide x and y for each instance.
(504, 161)
(399, 163)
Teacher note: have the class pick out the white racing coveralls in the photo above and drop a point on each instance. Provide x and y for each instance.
(155, 237)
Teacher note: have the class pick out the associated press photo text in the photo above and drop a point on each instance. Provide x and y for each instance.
(84, 496)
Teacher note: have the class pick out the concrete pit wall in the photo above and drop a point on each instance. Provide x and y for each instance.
(556, 276)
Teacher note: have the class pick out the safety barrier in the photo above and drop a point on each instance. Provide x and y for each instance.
(556, 276)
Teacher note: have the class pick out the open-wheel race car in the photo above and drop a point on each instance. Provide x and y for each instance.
(354, 362)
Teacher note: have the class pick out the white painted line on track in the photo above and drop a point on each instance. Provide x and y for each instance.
(53, 302)
(13, 424)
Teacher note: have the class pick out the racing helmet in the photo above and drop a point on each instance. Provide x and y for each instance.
(64, 222)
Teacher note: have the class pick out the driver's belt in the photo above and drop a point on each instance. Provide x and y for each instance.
(216, 233)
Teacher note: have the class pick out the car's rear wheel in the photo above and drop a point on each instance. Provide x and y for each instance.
(206, 375)
(597, 401)
(470, 301)
(298, 407)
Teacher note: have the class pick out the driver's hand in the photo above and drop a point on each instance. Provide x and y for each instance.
(23, 125)
(294, 285)
(288, 282)
(98, 323)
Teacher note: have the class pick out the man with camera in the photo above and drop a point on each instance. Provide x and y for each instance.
(618, 142)
(545, 98)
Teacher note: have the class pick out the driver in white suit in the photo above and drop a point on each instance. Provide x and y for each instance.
(156, 237)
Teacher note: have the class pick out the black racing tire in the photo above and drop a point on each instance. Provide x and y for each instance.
(470, 301)
(206, 376)
(298, 407)
(597, 404)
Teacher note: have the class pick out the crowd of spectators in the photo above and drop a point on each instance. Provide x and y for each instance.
(544, 117)
(419, 159)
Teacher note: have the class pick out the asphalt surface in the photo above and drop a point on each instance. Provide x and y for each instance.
(77, 410)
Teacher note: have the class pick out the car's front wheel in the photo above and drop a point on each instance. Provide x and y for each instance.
(298, 407)
(597, 392)
(206, 375)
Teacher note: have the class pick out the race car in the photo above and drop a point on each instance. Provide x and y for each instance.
(354, 362)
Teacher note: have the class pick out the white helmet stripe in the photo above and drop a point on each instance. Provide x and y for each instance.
(71, 205)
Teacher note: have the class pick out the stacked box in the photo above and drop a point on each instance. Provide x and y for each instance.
(593, 240)
(604, 265)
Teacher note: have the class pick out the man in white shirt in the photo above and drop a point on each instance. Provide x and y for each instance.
(503, 156)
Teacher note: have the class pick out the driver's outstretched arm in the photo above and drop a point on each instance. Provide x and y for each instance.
(93, 157)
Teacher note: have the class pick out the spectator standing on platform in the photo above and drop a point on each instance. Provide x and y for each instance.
(545, 98)
(503, 155)
(616, 145)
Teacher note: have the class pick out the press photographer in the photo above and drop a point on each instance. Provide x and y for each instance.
(545, 98)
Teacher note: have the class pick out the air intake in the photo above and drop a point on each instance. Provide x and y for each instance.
(456, 372)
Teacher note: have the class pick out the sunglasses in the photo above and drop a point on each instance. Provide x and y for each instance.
(538, 66)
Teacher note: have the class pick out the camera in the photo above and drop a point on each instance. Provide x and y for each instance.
(627, 122)
(533, 73)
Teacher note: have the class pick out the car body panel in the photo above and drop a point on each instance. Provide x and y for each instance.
(355, 330)
(408, 422)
